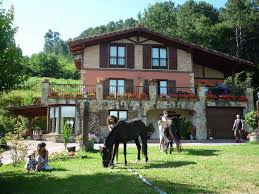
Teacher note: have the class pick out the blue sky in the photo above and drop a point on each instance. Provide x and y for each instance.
(70, 17)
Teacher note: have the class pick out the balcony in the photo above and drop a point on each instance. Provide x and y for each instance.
(212, 96)
(77, 91)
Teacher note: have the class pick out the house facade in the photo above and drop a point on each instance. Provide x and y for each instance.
(139, 73)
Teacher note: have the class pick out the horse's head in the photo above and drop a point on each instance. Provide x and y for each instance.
(106, 156)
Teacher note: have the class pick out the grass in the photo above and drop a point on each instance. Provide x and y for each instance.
(207, 169)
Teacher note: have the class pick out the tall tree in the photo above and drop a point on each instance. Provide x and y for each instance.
(11, 68)
(195, 21)
(54, 44)
(160, 17)
(240, 16)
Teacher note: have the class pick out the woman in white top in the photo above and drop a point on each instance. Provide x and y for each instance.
(111, 122)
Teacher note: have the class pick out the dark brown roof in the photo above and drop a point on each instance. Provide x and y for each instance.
(202, 54)
(30, 110)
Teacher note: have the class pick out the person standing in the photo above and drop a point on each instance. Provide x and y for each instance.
(238, 128)
(111, 122)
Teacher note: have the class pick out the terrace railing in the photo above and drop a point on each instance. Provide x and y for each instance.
(226, 93)
(71, 90)
(122, 92)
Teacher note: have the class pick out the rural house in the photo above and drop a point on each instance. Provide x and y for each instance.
(136, 72)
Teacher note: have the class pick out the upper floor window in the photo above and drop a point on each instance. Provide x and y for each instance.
(117, 86)
(117, 56)
(159, 58)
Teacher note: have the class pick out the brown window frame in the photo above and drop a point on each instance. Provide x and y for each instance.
(117, 57)
(159, 87)
(159, 58)
(117, 86)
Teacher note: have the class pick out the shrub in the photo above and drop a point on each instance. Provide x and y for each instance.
(251, 120)
(17, 145)
(66, 134)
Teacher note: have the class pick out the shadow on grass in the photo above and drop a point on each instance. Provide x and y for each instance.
(200, 152)
(169, 164)
(97, 183)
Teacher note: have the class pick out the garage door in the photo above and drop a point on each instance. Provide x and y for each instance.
(220, 121)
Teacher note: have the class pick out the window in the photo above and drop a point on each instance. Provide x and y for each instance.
(68, 117)
(120, 114)
(54, 119)
(162, 87)
(159, 58)
(117, 56)
(60, 115)
(116, 86)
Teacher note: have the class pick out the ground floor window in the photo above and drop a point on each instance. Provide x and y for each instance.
(120, 114)
(59, 115)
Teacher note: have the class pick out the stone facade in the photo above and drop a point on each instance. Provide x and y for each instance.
(147, 110)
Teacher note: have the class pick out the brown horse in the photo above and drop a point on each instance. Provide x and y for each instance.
(123, 132)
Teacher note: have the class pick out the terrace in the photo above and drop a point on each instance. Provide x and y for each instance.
(152, 92)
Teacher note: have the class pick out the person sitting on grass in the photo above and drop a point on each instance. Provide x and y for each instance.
(38, 159)
(42, 156)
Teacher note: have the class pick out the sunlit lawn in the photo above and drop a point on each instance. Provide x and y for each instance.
(207, 169)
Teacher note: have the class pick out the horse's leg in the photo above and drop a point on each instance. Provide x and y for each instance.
(171, 146)
(138, 146)
(115, 149)
(166, 149)
(144, 138)
(125, 147)
(173, 134)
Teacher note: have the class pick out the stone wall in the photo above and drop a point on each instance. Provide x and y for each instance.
(149, 110)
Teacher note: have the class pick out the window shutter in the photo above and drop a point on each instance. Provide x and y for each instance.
(130, 56)
(104, 55)
(129, 86)
(106, 88)
(172, 58)
(147, 56)
(171, 87)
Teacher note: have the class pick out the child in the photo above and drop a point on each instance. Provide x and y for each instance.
(30, 162)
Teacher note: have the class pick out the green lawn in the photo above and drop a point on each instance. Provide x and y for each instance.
(210, 169)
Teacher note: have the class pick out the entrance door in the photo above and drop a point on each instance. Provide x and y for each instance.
(220, 121)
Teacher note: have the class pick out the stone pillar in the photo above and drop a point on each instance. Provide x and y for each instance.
(78, 118)
(152, 90)
(99, 91)
(250, 99)
(200, 114)
(45, 91)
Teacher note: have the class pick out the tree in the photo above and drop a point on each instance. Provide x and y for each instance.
(111, 26)
(11, 68)
(240, 16)
(195, 22)
(45, 65)
(54, 44)
(160, 17)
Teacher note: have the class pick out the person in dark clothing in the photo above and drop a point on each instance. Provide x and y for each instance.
(238, 128)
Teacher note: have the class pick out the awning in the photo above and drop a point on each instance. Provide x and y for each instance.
(37, 110)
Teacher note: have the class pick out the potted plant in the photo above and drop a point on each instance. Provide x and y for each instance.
(251, 120)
